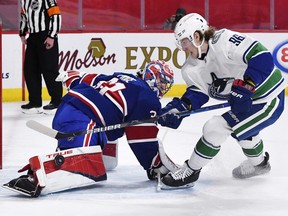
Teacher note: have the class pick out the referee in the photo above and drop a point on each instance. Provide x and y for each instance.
(42, 20)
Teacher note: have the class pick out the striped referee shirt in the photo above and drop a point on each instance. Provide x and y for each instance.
(40, 15)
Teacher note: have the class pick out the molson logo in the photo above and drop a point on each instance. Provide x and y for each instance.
(280, 55)
(96, 56)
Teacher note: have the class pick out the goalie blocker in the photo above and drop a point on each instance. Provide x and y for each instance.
(58, 171)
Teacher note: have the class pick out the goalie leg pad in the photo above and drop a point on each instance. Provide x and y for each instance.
(110, 155)
(62, 170)
(81, 167)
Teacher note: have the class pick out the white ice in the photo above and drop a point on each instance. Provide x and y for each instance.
(128, 191)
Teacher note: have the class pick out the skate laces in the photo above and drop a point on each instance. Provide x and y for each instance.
(183, 172)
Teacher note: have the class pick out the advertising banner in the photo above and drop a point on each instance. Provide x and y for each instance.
(110, 52)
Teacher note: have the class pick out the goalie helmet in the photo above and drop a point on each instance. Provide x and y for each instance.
(159, 76)
(186, 28)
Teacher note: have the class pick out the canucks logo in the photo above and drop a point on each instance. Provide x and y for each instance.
(217, 36)
(220, 87)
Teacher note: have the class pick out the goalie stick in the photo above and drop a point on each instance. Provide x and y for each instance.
(59, 135)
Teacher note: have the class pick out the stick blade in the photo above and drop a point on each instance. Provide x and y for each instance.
(34, 125)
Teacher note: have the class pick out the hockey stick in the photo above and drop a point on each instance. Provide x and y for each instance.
(59, 135)
(204, 109)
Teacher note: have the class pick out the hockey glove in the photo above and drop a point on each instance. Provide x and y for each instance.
(68, 77)
(170, 118)
(175, 106)
(241, 96)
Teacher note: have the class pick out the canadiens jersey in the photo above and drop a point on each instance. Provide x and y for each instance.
(232, 55)
(117, 98)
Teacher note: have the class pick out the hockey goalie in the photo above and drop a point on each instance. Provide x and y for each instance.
(97, 100)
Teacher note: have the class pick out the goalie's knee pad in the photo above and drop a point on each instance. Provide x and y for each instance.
(110, 155)
(67, 169)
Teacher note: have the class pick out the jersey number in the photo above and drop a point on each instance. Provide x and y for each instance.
(112, 86)
(236, 39)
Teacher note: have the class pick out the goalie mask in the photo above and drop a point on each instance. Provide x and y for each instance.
(159, 76)
(186, 28)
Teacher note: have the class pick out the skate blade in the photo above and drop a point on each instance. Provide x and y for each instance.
(166, 187)
(32, 111)
(49, 112)
(6, 186)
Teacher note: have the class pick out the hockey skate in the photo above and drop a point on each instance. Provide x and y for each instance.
(152, 173)
(160, 168)
(161, 164)
(31, 109)
(247, 170)
(184, 177)
(24, 185)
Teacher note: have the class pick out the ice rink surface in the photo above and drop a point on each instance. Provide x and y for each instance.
(128, 191)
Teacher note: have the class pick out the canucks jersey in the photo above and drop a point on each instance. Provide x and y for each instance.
(232, 55)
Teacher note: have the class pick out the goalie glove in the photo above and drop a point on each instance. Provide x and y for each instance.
(68, 77)
(170, 118)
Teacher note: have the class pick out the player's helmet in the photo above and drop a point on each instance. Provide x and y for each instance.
(159, 76)
(187, 26)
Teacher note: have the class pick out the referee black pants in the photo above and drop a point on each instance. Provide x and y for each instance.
(39, 62)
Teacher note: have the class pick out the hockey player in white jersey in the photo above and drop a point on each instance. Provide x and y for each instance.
(225, 65)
